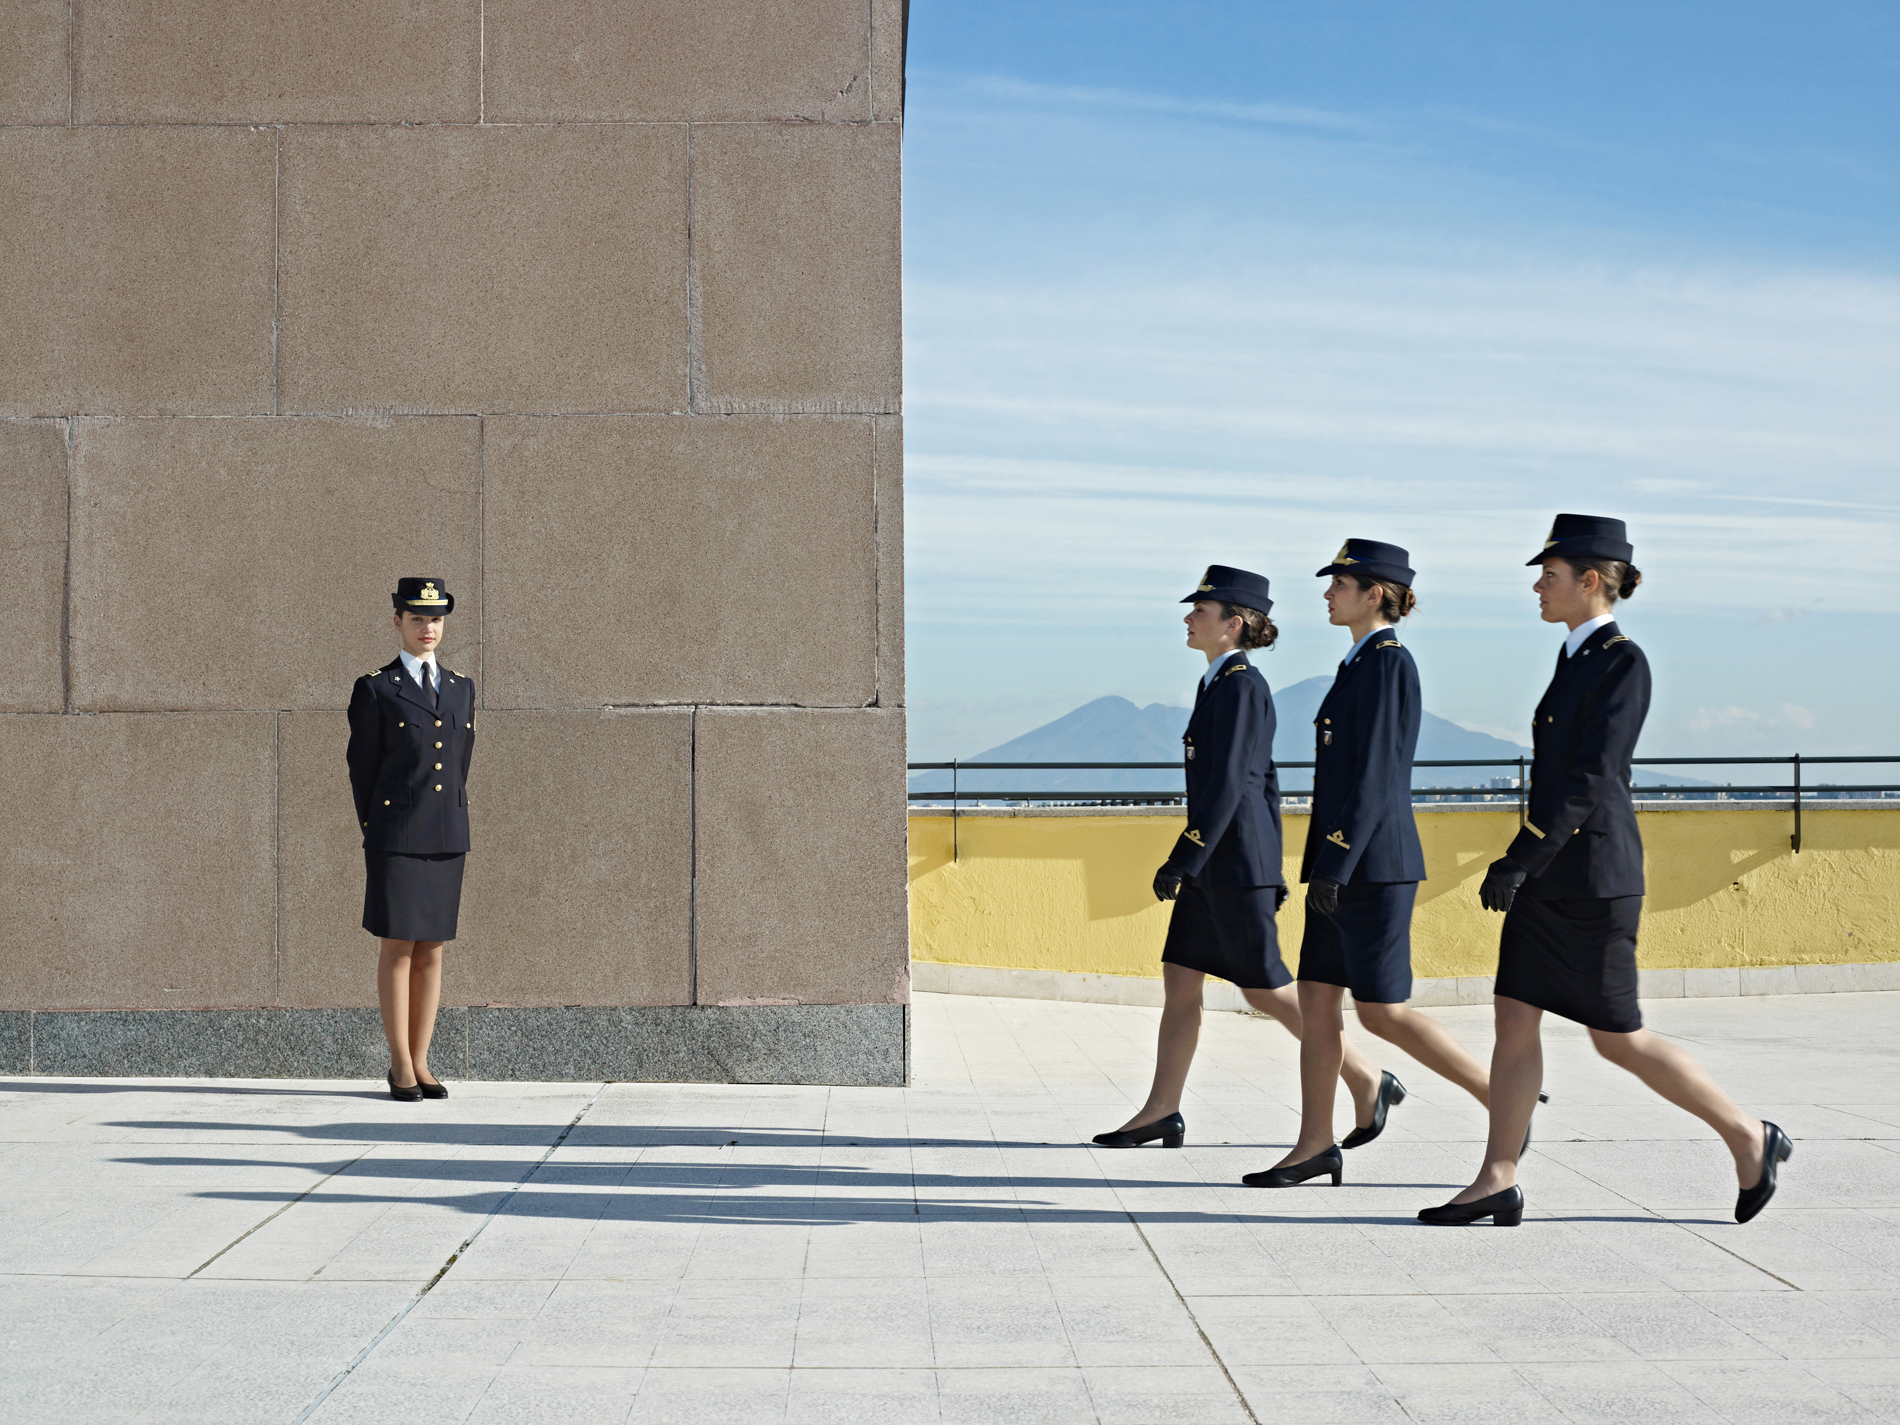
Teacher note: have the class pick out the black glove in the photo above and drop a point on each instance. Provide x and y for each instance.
(1167, 883)
(1322, 895)
(1279, 897)
(1500, 884)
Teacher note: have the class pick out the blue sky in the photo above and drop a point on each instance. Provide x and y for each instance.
(1195, 283)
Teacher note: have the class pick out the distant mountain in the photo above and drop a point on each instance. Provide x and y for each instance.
(1113, 729)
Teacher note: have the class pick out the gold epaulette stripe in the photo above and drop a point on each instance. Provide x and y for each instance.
(1237, 668)
(1389, 643)
(1620, 638)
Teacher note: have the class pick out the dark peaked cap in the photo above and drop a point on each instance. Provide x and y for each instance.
(1587, 537)
(1383, 562)
(1223, 584)
(423, 596)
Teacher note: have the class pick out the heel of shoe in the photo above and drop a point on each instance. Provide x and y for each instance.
(1173, 1140)
(1510, 1217)
(1339, 1176)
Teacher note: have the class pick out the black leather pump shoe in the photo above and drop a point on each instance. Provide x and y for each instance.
(412, 1093)
(1391, 1094)
(1172, 1131)
(1293, 1174)
(432, 1090)
(1505, 1209)
(1776, 1149)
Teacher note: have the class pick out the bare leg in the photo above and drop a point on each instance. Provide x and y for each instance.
(1359, 1072)
(392, 993)
(1322, 1058)
(1673, 1072)
(425, 994)
(1517, 1076)
(1174, 1046)
(1429, 1042)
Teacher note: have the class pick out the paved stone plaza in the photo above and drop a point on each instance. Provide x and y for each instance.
(275, 1251)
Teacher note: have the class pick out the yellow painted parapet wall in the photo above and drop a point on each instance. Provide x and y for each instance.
(1725, 889)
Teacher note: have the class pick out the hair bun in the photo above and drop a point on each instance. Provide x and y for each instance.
(1630, 581)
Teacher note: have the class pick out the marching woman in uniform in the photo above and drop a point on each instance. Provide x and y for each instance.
(1571, 887)
(1224, 874)
(412, 733)
(1362, 865)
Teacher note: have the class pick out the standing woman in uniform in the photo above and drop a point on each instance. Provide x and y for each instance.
(1225, 868)
(1362, 865)
(1571, 887)
(412, 733)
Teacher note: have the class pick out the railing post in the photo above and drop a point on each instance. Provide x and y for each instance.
(1795, 840)
(954, 806)
(1522, 814)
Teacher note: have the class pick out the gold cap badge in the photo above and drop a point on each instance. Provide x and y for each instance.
(1342, 557)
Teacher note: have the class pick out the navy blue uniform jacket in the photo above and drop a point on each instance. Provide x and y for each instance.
(1579, 838)
(409, 762)
(1233, 791)
(1364, 738)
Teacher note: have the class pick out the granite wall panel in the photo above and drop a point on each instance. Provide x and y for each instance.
(187, 531)
(801, 845)
(484, 269)
(33, 569)
(554, 60)
(33, 62)
(889, 454)
(148, 878)
(887, 60)
(237, 61)
(796, 267)
(139, 274)
(733, 558)
(579, 889)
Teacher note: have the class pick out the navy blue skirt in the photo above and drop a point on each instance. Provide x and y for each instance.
(1228, 932)
(1365, 944)
(1575, 958)
(412, 897)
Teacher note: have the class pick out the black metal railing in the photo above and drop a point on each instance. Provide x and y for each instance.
(1795, 791)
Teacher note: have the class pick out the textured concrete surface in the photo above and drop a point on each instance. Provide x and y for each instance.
(32, 574)
(632, 60)
(796, 857)
(955, 1252)
(144, 874)
(180, 526)
(484, 269)
(660, 518)
(139, 274)
(234, 62)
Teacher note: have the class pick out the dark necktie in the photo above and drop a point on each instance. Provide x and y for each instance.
(428, 683)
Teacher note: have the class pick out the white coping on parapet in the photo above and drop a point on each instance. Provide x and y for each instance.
(1299, 807)
(930, 977)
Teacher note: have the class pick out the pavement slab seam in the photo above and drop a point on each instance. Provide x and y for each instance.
(428, 1286)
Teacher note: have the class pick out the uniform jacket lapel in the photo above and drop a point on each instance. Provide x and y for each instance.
(406, 688)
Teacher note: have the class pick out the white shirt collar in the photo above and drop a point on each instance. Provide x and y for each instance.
(413, 665)
(1583, 631)
(1215, 666)
(1362, 642)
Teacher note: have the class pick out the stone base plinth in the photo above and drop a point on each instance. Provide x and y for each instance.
(848, 1044)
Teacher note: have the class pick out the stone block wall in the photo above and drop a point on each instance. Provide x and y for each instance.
(591, 308)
